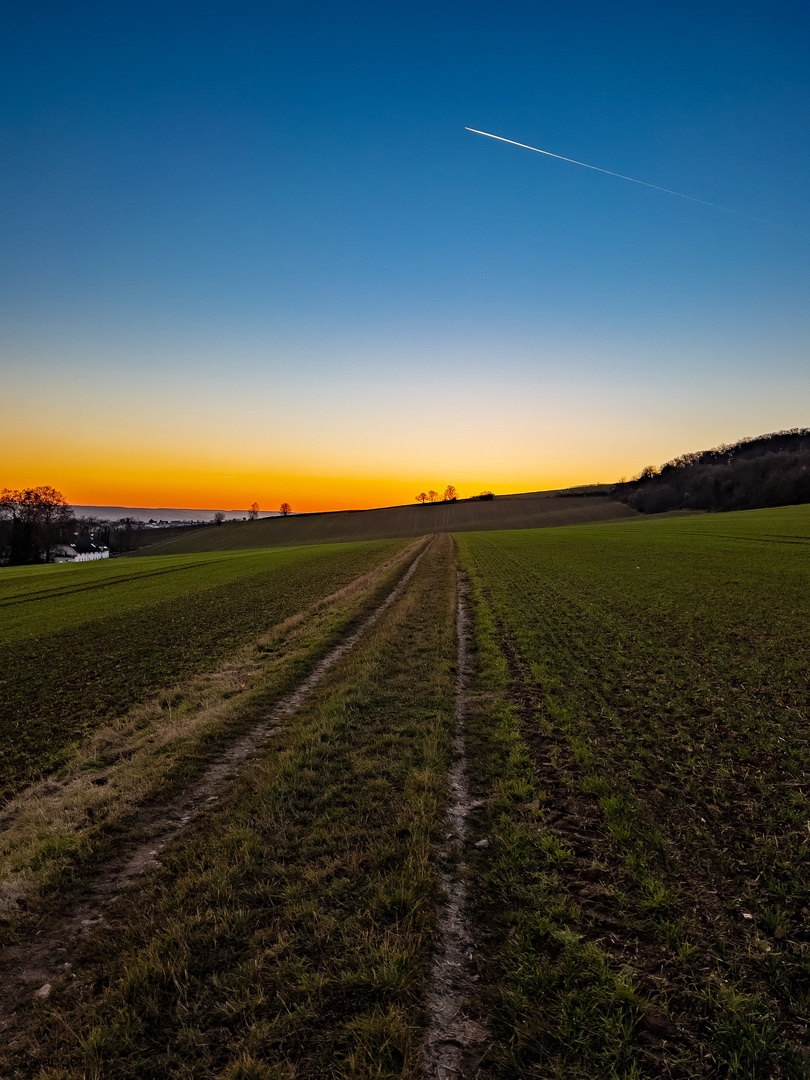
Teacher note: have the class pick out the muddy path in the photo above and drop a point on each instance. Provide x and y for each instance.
(455, 1041)
(30, 969)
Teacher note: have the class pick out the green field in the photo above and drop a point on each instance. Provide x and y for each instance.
(81, 644)
(298, 914)
(637, 857)
(649, 876)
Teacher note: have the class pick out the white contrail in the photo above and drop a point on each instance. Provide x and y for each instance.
(621, 176)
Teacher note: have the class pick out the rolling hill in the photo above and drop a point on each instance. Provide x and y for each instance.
(531, 510)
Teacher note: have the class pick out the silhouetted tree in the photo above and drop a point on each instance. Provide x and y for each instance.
(122, 537)
(219, 517)
(421, 497)
(450, 493)
(254, 511)
(432, 495)
(40, 517)
(769, 470)
(285, 508)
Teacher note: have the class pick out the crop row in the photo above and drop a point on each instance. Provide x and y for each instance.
(110, 637)
(655, 680)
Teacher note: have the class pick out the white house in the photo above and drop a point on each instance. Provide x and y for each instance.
(68, 553)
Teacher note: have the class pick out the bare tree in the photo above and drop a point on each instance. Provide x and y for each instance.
(39, 518)
(450, 493)
(421, 497)
(285, 508)
(254, 511)
(219, 517)
(432, 495)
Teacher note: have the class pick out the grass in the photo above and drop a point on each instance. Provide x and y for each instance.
(638, 743)
(289, 935)
(82, 644)
(56, 830)
(647, 753)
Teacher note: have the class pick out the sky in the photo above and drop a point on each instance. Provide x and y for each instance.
(250, 252)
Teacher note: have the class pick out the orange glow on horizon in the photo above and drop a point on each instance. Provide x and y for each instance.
(163, 440)
(323, 462)
(306, 494)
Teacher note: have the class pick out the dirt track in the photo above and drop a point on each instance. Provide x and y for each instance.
(454, 1040)
(33, 966)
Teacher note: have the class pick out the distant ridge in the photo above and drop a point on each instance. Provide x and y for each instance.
(531, 510)
(169, 513)
(163, 513)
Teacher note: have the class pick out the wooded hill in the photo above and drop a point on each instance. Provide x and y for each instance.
(767, 470)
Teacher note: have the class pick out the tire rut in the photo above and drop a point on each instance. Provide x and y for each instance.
(28, 970)
(454, 1042)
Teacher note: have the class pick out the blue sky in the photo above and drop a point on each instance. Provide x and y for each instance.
(254, 241)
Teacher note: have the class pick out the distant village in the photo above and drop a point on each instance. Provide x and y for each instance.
(37, 525)
(84, 549)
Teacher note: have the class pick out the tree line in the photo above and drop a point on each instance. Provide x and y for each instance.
(767, 470)
(32, 522)
(450, 495)
(252, 514)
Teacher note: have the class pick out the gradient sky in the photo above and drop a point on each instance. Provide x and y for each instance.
(250, 252)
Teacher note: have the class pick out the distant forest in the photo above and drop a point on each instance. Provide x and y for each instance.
(768, 470)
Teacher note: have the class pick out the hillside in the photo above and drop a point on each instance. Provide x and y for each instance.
(768, 470)
(532, 510)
